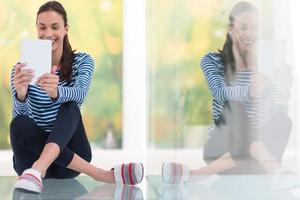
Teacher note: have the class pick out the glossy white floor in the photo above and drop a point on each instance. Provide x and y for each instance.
(258, 187)
(214, 187)
(80, 188)
(83, 187)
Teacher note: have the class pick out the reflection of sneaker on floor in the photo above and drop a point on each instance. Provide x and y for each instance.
(129, 174)
(128, 192)
(30, 181)
(283, 178)
(62, 189)
(19, 195)
(175, 173)
(177, 191)
(113, 191)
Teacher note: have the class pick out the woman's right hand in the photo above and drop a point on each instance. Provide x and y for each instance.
(238, 58)
(22, 78)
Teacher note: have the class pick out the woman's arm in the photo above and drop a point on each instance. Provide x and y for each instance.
(19, 107)
(216, 82)
(82, 83)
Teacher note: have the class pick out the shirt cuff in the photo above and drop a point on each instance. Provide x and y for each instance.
(60, 95)
(246, 93)
(21, 105)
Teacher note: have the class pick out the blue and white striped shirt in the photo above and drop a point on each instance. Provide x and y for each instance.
(257, 109)
(43, 109)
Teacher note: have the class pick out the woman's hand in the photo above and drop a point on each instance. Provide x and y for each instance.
(21, 80)
(258, 84)
(245, 57)
(49, 83)
(237, 54)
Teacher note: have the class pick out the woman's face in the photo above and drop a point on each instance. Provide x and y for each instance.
(245, 30)
(50, 25)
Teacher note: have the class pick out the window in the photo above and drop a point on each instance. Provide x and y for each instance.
(96, 27)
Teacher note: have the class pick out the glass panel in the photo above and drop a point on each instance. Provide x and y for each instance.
(180, 33)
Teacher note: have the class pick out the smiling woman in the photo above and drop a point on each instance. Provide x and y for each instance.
(47, 133)
(104, 43)
(246, 110)
(56, 31)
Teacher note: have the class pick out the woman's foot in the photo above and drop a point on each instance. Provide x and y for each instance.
(30, 181)
(125, 174)
(175, 173)
(128, 174)
(106, 176)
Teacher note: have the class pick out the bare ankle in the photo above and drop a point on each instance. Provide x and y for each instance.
(103, 176)
(39, 167)
(201, 171)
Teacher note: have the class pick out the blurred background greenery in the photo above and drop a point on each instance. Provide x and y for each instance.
(96, 27)
(179, 34)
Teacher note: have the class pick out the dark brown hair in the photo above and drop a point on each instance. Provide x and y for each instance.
(226, 53)
(68, 54)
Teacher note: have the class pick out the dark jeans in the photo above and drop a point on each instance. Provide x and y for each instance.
(236, 135)
(28, 140)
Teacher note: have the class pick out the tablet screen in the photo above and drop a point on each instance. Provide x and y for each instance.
(272, 55)
(37, 54)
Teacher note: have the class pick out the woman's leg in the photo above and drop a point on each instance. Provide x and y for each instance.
(274, 138)
(69, 132)
(216, 166)
(24, 138)
(226, 150)
(81, 165)
(28, 142)
(216, 152)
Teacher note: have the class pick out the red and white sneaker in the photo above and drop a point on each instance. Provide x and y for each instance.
(174, 173)
(129, 174)
(30, 181)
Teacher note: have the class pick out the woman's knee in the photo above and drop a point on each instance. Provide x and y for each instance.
(19, 121)
(71, 105)
(86, 154)
(206, 157)
(286, 125)
(68, 110)
(20, 124)
(210, 153)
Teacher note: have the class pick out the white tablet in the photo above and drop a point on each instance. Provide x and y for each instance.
(37, 54)
(272, 55)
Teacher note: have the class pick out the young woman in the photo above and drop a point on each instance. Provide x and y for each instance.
(47, 134)
(251, 129)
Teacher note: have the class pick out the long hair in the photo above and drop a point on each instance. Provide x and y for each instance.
(226, 53)
(68, 54)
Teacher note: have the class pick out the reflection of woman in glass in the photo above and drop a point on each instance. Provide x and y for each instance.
(251, 130)
(47, 134)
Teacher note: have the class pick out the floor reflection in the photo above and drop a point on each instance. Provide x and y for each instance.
(226, 187)
(81, 189)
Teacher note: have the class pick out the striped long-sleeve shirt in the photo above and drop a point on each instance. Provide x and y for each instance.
(43, 109)
(257, 109)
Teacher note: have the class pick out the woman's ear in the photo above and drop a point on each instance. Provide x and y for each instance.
(67, 29)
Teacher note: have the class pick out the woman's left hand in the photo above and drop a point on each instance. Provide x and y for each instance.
(49, 83)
